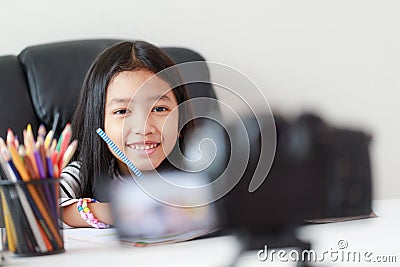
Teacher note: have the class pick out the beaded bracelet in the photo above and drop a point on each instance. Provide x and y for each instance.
(88, 216)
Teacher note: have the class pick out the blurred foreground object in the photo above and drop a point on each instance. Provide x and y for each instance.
(319, 171)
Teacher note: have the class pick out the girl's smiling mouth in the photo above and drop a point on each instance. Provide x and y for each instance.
(144, 147)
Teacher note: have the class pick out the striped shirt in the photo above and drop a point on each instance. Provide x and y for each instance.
(70, 184)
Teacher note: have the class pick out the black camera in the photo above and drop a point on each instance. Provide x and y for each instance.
(319, 171)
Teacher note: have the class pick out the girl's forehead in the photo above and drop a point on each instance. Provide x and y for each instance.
(138, 84)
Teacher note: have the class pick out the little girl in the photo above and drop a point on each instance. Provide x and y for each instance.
(143, 123)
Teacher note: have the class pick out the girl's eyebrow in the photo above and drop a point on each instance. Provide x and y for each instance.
(160, 97)
(119, 101)
(129, 100)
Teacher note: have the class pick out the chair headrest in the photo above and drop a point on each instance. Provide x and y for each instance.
(55, 73)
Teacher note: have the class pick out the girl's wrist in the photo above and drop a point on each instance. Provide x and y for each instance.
(87, 215)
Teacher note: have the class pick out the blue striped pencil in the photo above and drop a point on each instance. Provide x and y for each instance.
(120, 154)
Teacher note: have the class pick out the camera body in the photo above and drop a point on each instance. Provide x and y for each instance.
(318, 172)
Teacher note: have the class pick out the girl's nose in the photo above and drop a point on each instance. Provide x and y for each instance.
(140, 124)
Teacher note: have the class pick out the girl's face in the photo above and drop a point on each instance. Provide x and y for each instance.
(141, 120)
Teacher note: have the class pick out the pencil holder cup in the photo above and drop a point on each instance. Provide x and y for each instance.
(32, 216)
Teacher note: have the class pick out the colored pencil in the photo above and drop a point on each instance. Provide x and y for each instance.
(29, 147)
(42, 131)
(69, 152)
(10, 230)
(55, 122)
(27, 161)
(48, 139)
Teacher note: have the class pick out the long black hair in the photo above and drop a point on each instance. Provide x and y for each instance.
(92, 151)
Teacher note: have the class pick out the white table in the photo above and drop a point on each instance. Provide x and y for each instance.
(92, 247)
(379, 236)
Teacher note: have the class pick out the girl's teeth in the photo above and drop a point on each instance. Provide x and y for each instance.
(142, 147)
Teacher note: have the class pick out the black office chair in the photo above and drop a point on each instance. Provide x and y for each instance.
(16, 108)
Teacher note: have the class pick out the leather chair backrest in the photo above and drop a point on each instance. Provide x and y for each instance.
(16, 108)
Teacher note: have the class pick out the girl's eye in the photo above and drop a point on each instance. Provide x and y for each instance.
(159, 109)
(121, 112)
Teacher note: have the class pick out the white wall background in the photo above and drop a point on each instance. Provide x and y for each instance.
(339, 58)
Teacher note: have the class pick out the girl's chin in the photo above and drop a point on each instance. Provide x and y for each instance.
(142, 166)
(146, 166)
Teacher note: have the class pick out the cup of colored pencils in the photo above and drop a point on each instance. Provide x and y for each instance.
(29, 188)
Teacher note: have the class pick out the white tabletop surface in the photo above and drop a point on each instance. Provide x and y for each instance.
(375, 236)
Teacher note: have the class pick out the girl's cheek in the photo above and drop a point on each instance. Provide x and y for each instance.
(170, 134)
